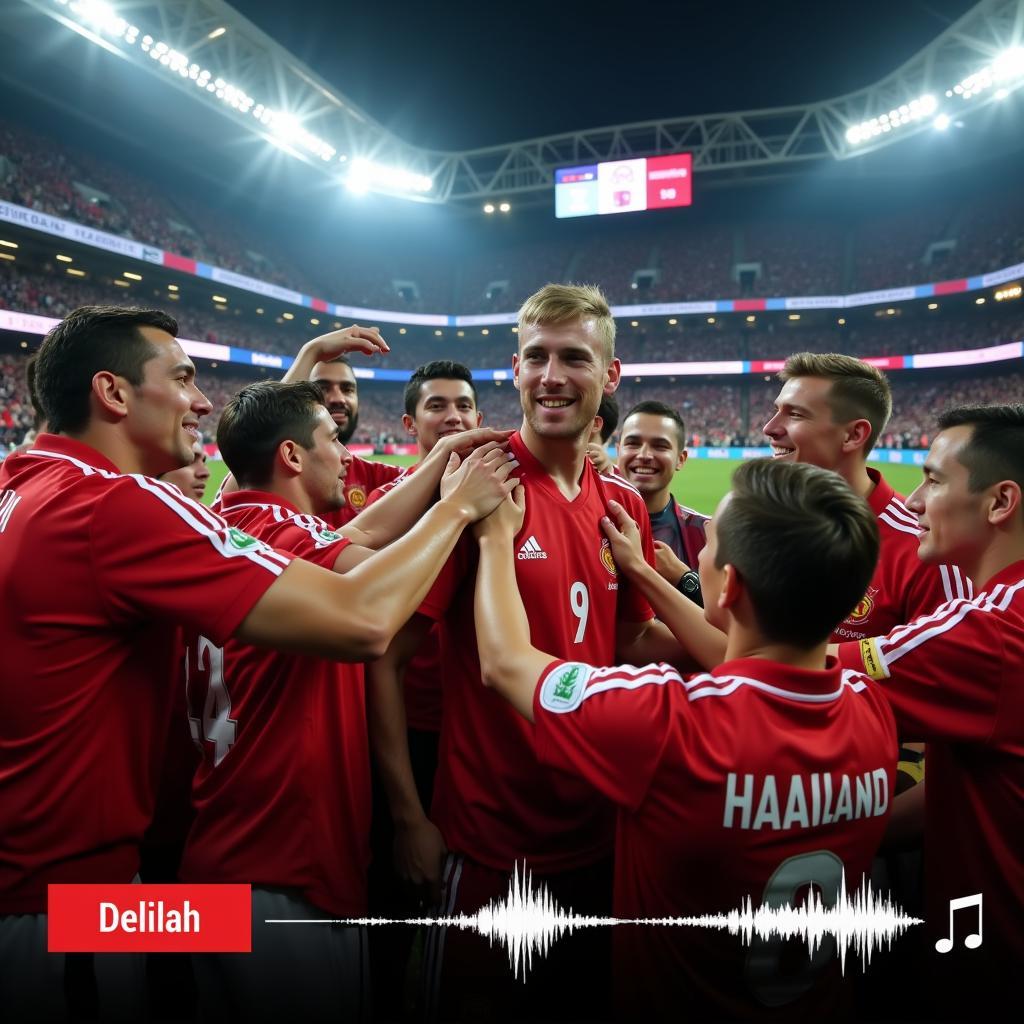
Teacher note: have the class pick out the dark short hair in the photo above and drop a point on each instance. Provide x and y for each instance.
(859, 390)
(33, 392)
(608, 410)
(804, 544)
(996, 449)
(258, 419)
(652, 408)
(87, 341)
(438, 369)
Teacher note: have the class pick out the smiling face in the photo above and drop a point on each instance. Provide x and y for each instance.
(191, 480)
(803, 429)
(649, 452)
(341, 395)
(444, 407)
(164, 410)
(953, 520)
(561, 372)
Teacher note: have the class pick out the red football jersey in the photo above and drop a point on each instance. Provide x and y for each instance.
(753, 781)
(363, 477)
(903, 587)
(421, 684)
(99, 570)
(492, 800)
(953, 679)
(282, 796)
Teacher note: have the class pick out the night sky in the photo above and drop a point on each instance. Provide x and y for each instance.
(457, 75)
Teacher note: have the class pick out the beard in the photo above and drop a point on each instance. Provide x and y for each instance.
(345, 432)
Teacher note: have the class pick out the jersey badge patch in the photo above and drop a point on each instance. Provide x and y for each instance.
(606, 558)
(563, 688)
(864, 607)
(356, 497)
(240, 539)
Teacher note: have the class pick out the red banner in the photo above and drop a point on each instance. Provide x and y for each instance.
(150, 919)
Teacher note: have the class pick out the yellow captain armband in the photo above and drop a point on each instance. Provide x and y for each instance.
(874, 666)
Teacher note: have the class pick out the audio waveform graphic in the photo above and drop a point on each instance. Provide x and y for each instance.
(528, 921)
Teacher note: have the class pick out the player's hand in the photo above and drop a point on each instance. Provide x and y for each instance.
(624, 537)
(668, 565)
(481, 482)
(467, 442)
(419, 851)
(599, 457)
(350, 339)
(507, 519)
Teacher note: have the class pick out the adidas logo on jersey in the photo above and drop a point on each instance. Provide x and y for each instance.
(531, 549)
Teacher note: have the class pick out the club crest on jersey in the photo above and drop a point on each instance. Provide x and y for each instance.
(563, 689)
(356, 497)
(864, 607)
(240, 539)
(328, 536)
(606, 558)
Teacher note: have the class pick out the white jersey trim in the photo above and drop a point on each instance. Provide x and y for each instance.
(903, 527)
(313, 525)
(945, 618)
(620, 482)
(204, 522)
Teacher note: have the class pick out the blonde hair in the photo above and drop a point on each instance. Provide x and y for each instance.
(567, 303)
(859, 390)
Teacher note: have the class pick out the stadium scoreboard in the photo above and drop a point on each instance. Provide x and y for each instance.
(624, 186)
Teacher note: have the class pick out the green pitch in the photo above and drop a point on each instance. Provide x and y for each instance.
(700, 484)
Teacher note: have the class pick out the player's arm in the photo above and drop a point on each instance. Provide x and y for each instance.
(944, 674)
(509, 663)
(418, 847)
(399, 509)
(352, 617)
(330, 346)
(682, 630)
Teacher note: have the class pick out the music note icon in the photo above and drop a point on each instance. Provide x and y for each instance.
(973, 941)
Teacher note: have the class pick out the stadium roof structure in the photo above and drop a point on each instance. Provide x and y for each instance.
(208, 50)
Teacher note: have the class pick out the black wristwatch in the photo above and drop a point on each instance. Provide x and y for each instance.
(689, 586)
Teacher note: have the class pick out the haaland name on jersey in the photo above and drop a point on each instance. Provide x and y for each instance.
(810, 800)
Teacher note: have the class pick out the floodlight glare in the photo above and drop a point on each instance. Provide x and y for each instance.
(488, 207)
(367, 175)
(505, 207)
(942, 122)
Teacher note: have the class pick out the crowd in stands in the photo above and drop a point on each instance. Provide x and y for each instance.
(54, 294)
(716, 414)
(683, 259)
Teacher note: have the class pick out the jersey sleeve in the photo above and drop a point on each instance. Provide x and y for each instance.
(313, 541)
(156, 553)
(926, 587)
(607, 725)
(942, 674)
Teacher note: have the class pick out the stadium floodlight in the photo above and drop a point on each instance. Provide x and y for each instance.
(505, 207)
(488, 207)
(1007, 69)
(217, 32)
(905, 113)
(942, 122)
(370, 176)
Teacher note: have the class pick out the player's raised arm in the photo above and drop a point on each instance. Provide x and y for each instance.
(508, 661)
(353, 616)
(336, 343)
(685, 620)
(401, 508)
